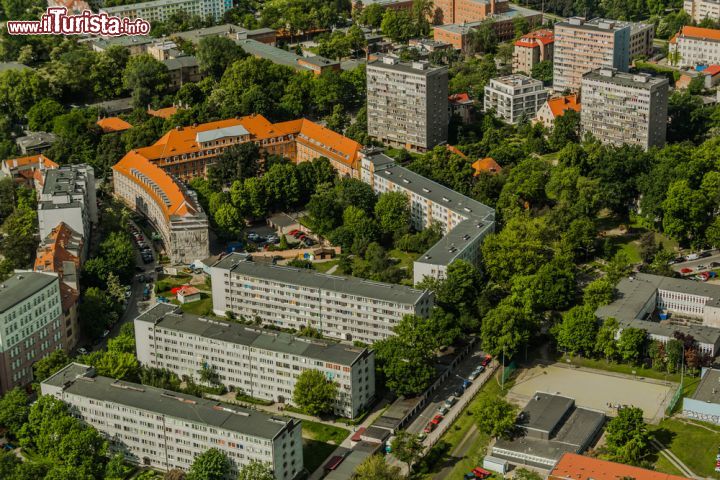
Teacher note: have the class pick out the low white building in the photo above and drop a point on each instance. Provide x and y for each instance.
(68, 195)
(263, 363)
(161, 429)
(693, 46)
(514, 97)
(172, 209)
(346, 308)
(464, 222)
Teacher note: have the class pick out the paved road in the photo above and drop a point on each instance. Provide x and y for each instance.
(715, 257)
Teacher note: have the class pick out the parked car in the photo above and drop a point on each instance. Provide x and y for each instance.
(443, 409)
(437, 419)
(485, 361)
(450, 401)
(701, 267)
(714, 264)
(704, 254)
(692, 256)
(686, 270)
(458, 391)
(429, 427)
(478, 472)
(82, 351)
(293, 231)
(297, 234)
(473, 375)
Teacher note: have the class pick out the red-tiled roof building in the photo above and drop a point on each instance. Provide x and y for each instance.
(556, 107)
(578, 467)
(531, 49)
(27, 171)
(113, 124)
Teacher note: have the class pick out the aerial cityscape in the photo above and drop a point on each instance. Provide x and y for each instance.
(359, 240)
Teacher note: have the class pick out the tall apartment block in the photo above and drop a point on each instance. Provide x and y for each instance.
(407, 104)
(514, 97)
(161, 429)
(465, 222)
(161, 10)
(696, 46)
(30, 325)
(622, 108)
(699, 10)
(346, 308)
(68, 195)
(581, 46)
(531, 49)
(263, 363)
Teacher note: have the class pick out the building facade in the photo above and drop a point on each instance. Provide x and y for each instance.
(187, 152)
(694, 46)
(262, 363)
(582, 46)
(531, 49)
(172, 209)
(464, 222)
(161, 10)
(346, 308)
(30, 325)
(407, 104)
(514, 97)
(621, 108)
(68, 195)
(161, 429)
(704, 405)
(699, 10)
(641, 39)
(27, 171)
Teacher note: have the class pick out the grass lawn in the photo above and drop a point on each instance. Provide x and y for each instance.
(663, 465)
(440, 455)
(406, 258)
(319, 441)
(694, 445)
(602, 364)
(201, 307)
(325, 266)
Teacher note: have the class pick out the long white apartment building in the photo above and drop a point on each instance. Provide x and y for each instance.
(161, 10)
(263, 363)
(465, 222)
(694, 46)
(31, 321)
(161, 429)
(68, 195)
(514, 97)
(346, 308)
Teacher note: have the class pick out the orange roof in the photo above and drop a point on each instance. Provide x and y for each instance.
(531, 39)
(187, 290)
(459, 98)
(578, 467)
(673, 39)
(698, 32)
(182, 140)
(113, 124)
(683, 81)
(32, 161)
(486, 164)
(156, 182)
(559, 105)
(55, 249)
(166, 112)
(712, 70)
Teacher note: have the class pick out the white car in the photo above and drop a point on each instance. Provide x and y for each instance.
(106, 333)
(82, 351)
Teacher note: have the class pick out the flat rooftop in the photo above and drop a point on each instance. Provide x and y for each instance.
(172, 318)
(77, 379)
(408, 67)
(241, 265)
(709, 388)
(544, 411)
(22, 285)
(630, 80)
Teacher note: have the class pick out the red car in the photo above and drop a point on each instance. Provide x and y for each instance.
(430, 427)
(293, 231)
(686, 270)
(486, 360)
(437, 419)
(480, 472)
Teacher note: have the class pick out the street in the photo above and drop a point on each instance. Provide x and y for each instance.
(715, 257)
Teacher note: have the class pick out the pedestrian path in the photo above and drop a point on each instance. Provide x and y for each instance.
(672, 458)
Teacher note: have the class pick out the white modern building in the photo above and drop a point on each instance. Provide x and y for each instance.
(262, 363)
(693, 46)
(514, 97)
(161, 10)
(693, 308)
(622, 108)
(166, 203)
(31, 320)
(407, 103)
(699, 10)
(161, 429)
(68, 195)
(346, 308)
(464, 222)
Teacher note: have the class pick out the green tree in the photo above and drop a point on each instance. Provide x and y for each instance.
(627, 438)
(407, 448)
(686, 212)
(7, 198)
(495, 416)
(372, 15)
(393, 213)
(116, 468)
(215, 54)
(47, 366)
(598, 293)
(42, 114)
(97, 311)
(146, 78)
(314, 393)
(605, 344)
(14, 410)
(566, 129)
(256, 470)
(578, 330)
(209, 465)
(375, 467)
(543, 71)
(525, 474)
(631, 344)
(19, 244)
(505, 329)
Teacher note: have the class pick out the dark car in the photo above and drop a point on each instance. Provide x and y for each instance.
(704, 254)
(458, 391)
(714, 264)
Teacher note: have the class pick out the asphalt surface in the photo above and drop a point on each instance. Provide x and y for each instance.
(715, 257)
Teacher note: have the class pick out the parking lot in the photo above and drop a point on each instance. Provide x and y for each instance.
(447, 389)
(651, 396)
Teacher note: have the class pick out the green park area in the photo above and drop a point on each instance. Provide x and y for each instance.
(695, 443)
(319, 441)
